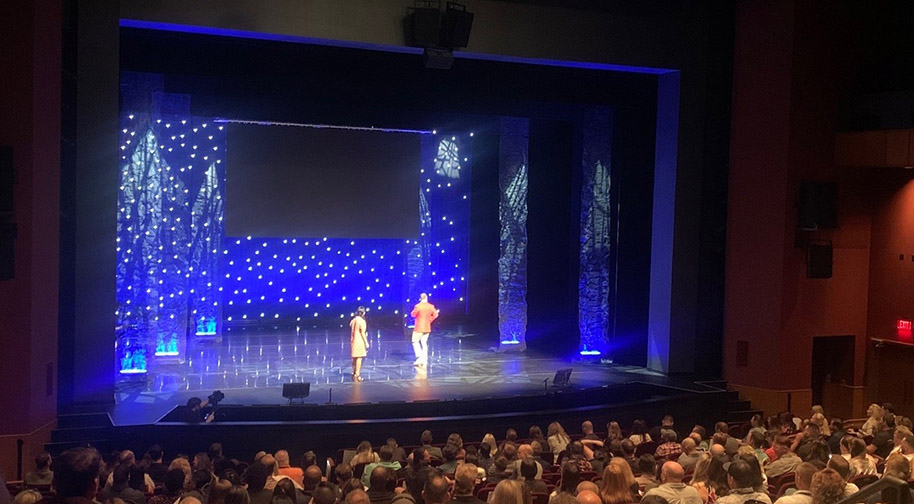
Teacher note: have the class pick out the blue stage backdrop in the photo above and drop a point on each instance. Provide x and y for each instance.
(179, 277)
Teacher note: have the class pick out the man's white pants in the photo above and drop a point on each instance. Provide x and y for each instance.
(420, 347)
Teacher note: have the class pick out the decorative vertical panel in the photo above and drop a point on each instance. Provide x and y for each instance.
(594, 281)
(512, 209)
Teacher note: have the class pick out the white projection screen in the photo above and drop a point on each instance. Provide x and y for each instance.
(297, 181)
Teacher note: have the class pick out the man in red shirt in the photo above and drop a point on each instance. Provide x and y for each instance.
(424, 313)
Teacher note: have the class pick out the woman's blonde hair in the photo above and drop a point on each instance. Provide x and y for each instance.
(184, 465)
(511, 492)
(700, 474)
(28, 496)
(556, 429)
(615, 487)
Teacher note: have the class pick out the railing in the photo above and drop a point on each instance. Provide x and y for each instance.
(900, 489)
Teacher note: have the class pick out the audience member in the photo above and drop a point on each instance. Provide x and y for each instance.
(28, 496)
(364, 454)
(465, 485)
(325, 493)
(700, 479)
(183, 465)
(386, 454)
(381, 485)
(730, 444)
(589, 497)
(672, 488)
(587, 431)
(785, 461)
(235, 495)
(417, 472)
(437, 490)
(557, 438)
(653, 499)
(741, 479)
(536, 434)
(690, 455)
(155, 466)
(804, 473)
(669, 447)
(171, 491)
(398, 453)
(449, 455)
(357, 497)
(614, 487)
(285, 467)
(647, 467)
(256, 477)
(827, 487)
(42, 475)
(510, 492)
(639, 433)
(613, 432)
(120, 487)
(425, 439)
(874, 413)
(528, 468)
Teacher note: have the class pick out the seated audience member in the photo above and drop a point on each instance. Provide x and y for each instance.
(557, 438)
(386, 455)
(741, 479)
(700, 479)
(702, 433)
(860, 463)
(803, 441)
(28, 496)
(653, 499)
(628, 453)
(690, 455)
(534, 433)
(399, 454)
(883, 440)
(235, 495)
(356, 497)
(417, 473)
(121, 489)
(786, 461)
(42, 475)
(75, 477)
(425, 439)
(589, 497)
(528, 468)
(639, 433)
(906, 442)
(587, 431)
(874, 413)
(646, 466)
(174, 485)
(217, 492)
(730, 444)
(672, 488)
(256, 477)
(155, 467)
(896, 466)
(312, 478)
(341, 475)
(137, 478)
(499, 471)
(437, 489)
(571, 476)
(669, 447)
(588, 486)
(220, 463)
(511, 436)
(837, 434)
(465, 485)
(613, 432)
(537, 449)
(827, 487)
(577, 456)
(286, 469)
(325, 493)
(183, 465)
(353, 485)
(759, 443)
(127, 457)
(525, 452)
(381, 485)
(565, 498)
(842, 467)
(364, 455)
(665, 424)
(804, 473)
(614, 487)
(449, 455)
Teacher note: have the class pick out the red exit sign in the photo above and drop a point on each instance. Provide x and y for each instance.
(903, 329)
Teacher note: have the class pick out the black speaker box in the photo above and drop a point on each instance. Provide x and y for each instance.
(426, 27)
(819, 260)
(818, 206)
(296, 390)
(457, 25)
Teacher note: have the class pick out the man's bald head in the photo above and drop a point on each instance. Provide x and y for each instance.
(357, 497)
(378, 478)
(804, 474)
(688, 445)
(190, 500)
(671, 472)
(587, 427)
(437, 489)
(282, 458)
(717, 450)
(524, 451)
(587, 486)
(589, 497)
(312, 477)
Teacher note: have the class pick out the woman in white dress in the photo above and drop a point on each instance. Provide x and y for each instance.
(358, 342)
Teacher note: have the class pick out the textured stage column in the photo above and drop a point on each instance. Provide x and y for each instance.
(594, 281)
(512, 261)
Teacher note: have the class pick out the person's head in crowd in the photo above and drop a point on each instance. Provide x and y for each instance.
(907, 440)
(827, 487)
(342, 473)
(511, 435)
(489, 440)
(875, 411)
(717, 450)
(653, 499)
(126, 457)
(379, 478)
(528, 468)
(471, 459)
(121, 477)
(455, 440)
(43, 461)
(155, 453)
(589, 497)
(465, 479)
(667, 436)
(259, 455)
(688, 446)
(781, 445)
(587, 427)
(721, 427)
(745, 450)
(671, 472)
(308, 459)
(386, 453)
(437, 490)
(536, 447)
(323, 494)
(719, 438)
(137, 478)
(215, 452)
(718, 478)
(218, 490)
(756, 421)
(757, 440)
(804, 473)
(647, 465)
(202, 461)
(628, 448)
(256, 476)
(577, 449)
(232, 477)
(524, 451)
(501, 464)
(183, 465)
(841, 466)
(426, 439)
(202, 478)
(509, 451)
(904, 422)
(556, 429)
(614, 489)
(614, 448)
(352, 485)
(613, 430)
(563, 498)
(238, 495)
(811, 431)
(535, 433)
(356, 497)
(27, 496)
(639, 427)
(701, 431)
(587, 486)
(836, 424)
(667, 422)
(818, 452)
(897, 466)
(282, 459)
(700, 473)
(741, 474)
(449, 453)
(312, 477)
(174, 482)
(419, 457)
(571, 476)
(756, 466)
(509, 492)
(284, 487)
(364, 447)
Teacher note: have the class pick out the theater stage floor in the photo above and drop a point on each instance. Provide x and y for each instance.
(250, 367)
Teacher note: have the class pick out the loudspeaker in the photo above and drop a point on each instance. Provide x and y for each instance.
(296, 390)
(457, 25)
(426, 27)
(819, 260)
(817, 206)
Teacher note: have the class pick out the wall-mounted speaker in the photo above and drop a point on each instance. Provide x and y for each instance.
(457, 25)
(818, 208)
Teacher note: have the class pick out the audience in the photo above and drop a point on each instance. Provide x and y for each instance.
(75, 477)
(284, 467)
(672, 488)
(669, 448)
(785, 460)
(557, 438)
(120, 487)
(465, 485)
(510, 492)
(42, 475)
(614, 487)
(382, 482)
(639, 433)
(827, 487)
(742, 479)
(386, 454)
(647, 466)
(804, 474)
(437, 490)
(689, 456)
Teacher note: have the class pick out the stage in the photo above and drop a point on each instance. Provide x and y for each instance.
(250, 366)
